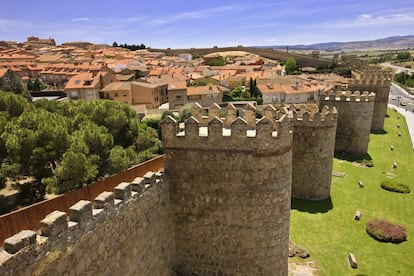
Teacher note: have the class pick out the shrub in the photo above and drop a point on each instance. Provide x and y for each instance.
(394, 186)
(152, 121)
(384, 231)
(185, 112)
(168, 113)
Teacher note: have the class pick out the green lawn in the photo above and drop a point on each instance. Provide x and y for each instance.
(327, 229)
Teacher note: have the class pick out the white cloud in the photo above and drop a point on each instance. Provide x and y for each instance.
(80, 19)
(12, 25)
(365, 17)
(367, 20)
(191, 15)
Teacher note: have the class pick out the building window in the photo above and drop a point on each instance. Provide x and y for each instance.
(178, 97)
(74, 95)
(116, 94)
(125, 95)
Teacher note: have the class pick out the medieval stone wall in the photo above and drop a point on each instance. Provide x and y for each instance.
(377, 80)
(128, 232)
(230, 193)
(313, 151)
(354, 120)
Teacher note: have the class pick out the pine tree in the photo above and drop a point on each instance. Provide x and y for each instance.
(37, 85)
(251, 88)
(30, 85)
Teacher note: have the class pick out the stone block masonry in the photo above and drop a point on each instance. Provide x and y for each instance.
(128, 232)
(355, 111)
(313, 150)
(230, 193)
(377, 80)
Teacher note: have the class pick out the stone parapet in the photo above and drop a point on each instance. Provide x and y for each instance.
(100, 238)
(375, 81)
(262, 135)
(350, 96)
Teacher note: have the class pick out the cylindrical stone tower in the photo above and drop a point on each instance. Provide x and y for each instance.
(231, 190)
(354, 120)
(375, 80)
(313, 151)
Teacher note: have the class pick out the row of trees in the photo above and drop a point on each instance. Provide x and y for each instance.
(391, 57)
(35, 85)
(405, 79)
(66, 145)
(131, 47)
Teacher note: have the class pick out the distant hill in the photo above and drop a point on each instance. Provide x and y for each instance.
(394, 42)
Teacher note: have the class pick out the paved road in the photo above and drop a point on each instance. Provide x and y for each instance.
(409, 118)
(398, 69)
(398, 96)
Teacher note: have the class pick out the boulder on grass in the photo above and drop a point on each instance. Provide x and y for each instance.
(352, 261)
(357, 215)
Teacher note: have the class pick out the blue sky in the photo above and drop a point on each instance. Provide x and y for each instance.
(204, 23)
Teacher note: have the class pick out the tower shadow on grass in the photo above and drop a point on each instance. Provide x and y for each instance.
(352, 158)
(379, 131)
(310, 206)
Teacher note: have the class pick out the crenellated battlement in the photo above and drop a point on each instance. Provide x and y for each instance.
(369, 82)
(310, 115)
(367, 71)
(230, 113)
(29, 251)
(373, 78)
(229, 133)
(238, 137)
(351, 96)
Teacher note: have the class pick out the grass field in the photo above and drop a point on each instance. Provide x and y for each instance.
(329, 232)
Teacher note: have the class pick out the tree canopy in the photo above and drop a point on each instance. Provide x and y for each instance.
(404, 56)
(11, 82)
(66, 145)
(290, 65)
(131, 47)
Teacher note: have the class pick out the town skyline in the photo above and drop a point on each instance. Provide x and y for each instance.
(176, 24)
